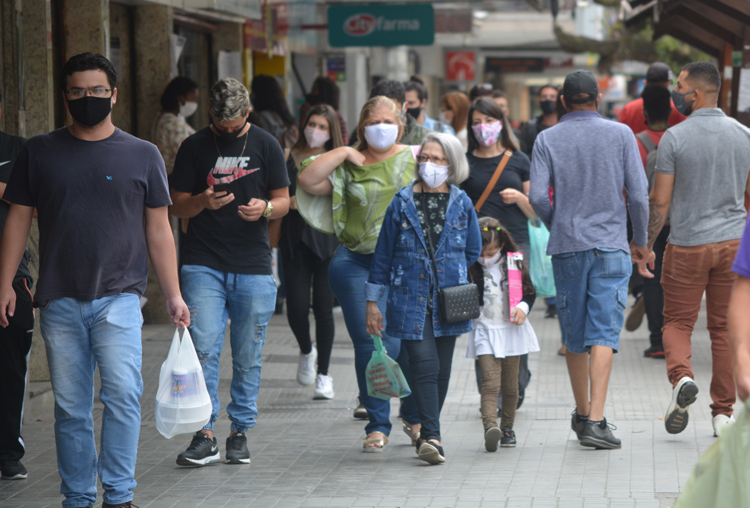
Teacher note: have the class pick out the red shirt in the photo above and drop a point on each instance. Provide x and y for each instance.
(655, 137)
(632, 116)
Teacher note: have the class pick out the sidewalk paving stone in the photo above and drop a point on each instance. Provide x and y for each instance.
(307, 453)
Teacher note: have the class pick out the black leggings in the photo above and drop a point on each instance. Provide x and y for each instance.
(301, 272)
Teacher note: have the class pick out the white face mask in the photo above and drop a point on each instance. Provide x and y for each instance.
(485, 262)
(381, 136)
(316, 137)
(442, 118)
(433, 175)
(188, 108)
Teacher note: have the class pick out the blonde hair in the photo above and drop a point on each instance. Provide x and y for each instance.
(370, 107)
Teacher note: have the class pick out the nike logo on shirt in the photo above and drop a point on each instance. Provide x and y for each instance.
(4, 163)
(229, 169)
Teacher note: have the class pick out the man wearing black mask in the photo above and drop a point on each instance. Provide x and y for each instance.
(229, 178)
(547, 101)
(102, 201)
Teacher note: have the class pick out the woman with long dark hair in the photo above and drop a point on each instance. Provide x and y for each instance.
(306, 254)
(270, 104)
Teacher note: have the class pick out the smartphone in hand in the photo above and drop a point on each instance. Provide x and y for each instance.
(221, 187)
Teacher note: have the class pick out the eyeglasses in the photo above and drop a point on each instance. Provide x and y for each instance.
(97, 91)
(497, 228)
(440, 161)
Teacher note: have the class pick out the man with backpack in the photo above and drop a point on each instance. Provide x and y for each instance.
(657, 107)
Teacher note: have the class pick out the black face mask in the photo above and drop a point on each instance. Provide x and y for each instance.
(548, 107)
(415, 112)
(90, 110)
(229, 136)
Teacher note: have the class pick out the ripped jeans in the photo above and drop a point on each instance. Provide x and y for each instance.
(249, 301)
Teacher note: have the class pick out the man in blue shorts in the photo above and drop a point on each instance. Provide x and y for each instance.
(588, 161)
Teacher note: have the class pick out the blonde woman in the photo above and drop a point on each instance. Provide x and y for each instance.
(362, 182)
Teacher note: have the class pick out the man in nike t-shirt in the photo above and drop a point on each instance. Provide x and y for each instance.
(229, 178)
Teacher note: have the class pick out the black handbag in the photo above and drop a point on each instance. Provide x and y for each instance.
(456, 303)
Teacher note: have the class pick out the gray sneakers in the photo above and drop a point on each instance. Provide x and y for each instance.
(683, 395)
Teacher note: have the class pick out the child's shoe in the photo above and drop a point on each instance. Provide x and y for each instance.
(491, 438)
(509, 438)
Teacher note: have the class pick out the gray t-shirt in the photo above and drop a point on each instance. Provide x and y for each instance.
(91, 198)
(709, 156)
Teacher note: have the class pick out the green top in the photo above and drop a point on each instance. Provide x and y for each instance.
(361, 194)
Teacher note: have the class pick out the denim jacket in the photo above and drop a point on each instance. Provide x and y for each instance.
(402, 265)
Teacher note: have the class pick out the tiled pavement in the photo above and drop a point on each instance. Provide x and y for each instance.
(308, 453)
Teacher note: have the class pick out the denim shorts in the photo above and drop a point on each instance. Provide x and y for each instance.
(592, 292)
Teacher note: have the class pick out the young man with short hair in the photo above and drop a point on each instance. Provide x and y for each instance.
(547, 101)
(701, 181)
(632, 112)
(229, 179)
(416, 97)
(102, 201)
(588, 161)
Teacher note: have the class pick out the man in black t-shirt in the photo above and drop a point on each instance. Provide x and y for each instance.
(547, 101)
(229, 179)
(15, 340)
(102, 200)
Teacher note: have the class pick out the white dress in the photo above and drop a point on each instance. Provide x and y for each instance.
(492, 333)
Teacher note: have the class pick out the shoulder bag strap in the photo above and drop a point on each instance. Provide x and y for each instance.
(493, 180)
(429, 243)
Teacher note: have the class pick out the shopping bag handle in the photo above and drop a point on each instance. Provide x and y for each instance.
(378, 344)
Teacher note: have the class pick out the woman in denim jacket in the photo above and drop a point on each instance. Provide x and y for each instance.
(402, 265)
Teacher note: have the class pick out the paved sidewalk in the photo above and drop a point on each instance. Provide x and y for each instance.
(307, 453)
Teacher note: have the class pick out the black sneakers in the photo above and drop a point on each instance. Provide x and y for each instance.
(13, 470)
(129, 504)
(237, 452)
(509, 438)
(599, 435)
(431, 453)
(578, 423)
(360, 413)
(201, 451)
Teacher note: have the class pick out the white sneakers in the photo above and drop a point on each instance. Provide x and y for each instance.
(323, 387)
(720, 422)
(683, 394)
(306, 367)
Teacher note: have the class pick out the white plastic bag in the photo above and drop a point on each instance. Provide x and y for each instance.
(182, 401)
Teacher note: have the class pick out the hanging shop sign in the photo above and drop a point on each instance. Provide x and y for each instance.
(381, 25)
(460, 66)
(501, 64)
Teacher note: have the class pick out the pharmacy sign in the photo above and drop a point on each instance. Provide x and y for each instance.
(381, 25)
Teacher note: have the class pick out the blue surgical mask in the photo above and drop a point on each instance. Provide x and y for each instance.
(680, 104)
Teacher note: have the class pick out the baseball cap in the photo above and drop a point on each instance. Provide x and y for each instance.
(578, 82)
(658, 72)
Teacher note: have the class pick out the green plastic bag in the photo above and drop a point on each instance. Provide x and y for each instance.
(721, 479)
(384, 376)
(540, 264)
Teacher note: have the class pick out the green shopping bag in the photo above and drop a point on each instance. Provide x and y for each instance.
(540, 264)
(721, 479)
(384, 376)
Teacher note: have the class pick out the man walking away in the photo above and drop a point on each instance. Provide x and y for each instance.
(701, 181)
(632, 112)
(588, 161)
(15, 340)
(102, 200)
(229, 179)
(656, 109)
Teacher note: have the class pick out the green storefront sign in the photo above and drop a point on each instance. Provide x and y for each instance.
(381, 25)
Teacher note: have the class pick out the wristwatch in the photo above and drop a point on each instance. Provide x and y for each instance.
(269, 209)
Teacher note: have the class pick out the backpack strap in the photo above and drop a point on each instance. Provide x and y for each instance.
(648, 143)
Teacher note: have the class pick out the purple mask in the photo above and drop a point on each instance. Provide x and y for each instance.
(488, 133)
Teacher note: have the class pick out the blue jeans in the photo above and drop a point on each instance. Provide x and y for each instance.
(592, 291)
(347, 275)
(430, 360)
(80, 335)
(249, 300)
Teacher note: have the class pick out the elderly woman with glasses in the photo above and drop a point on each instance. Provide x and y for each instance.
(432, 218)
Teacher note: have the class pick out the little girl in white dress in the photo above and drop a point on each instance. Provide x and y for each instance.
(496, 341)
